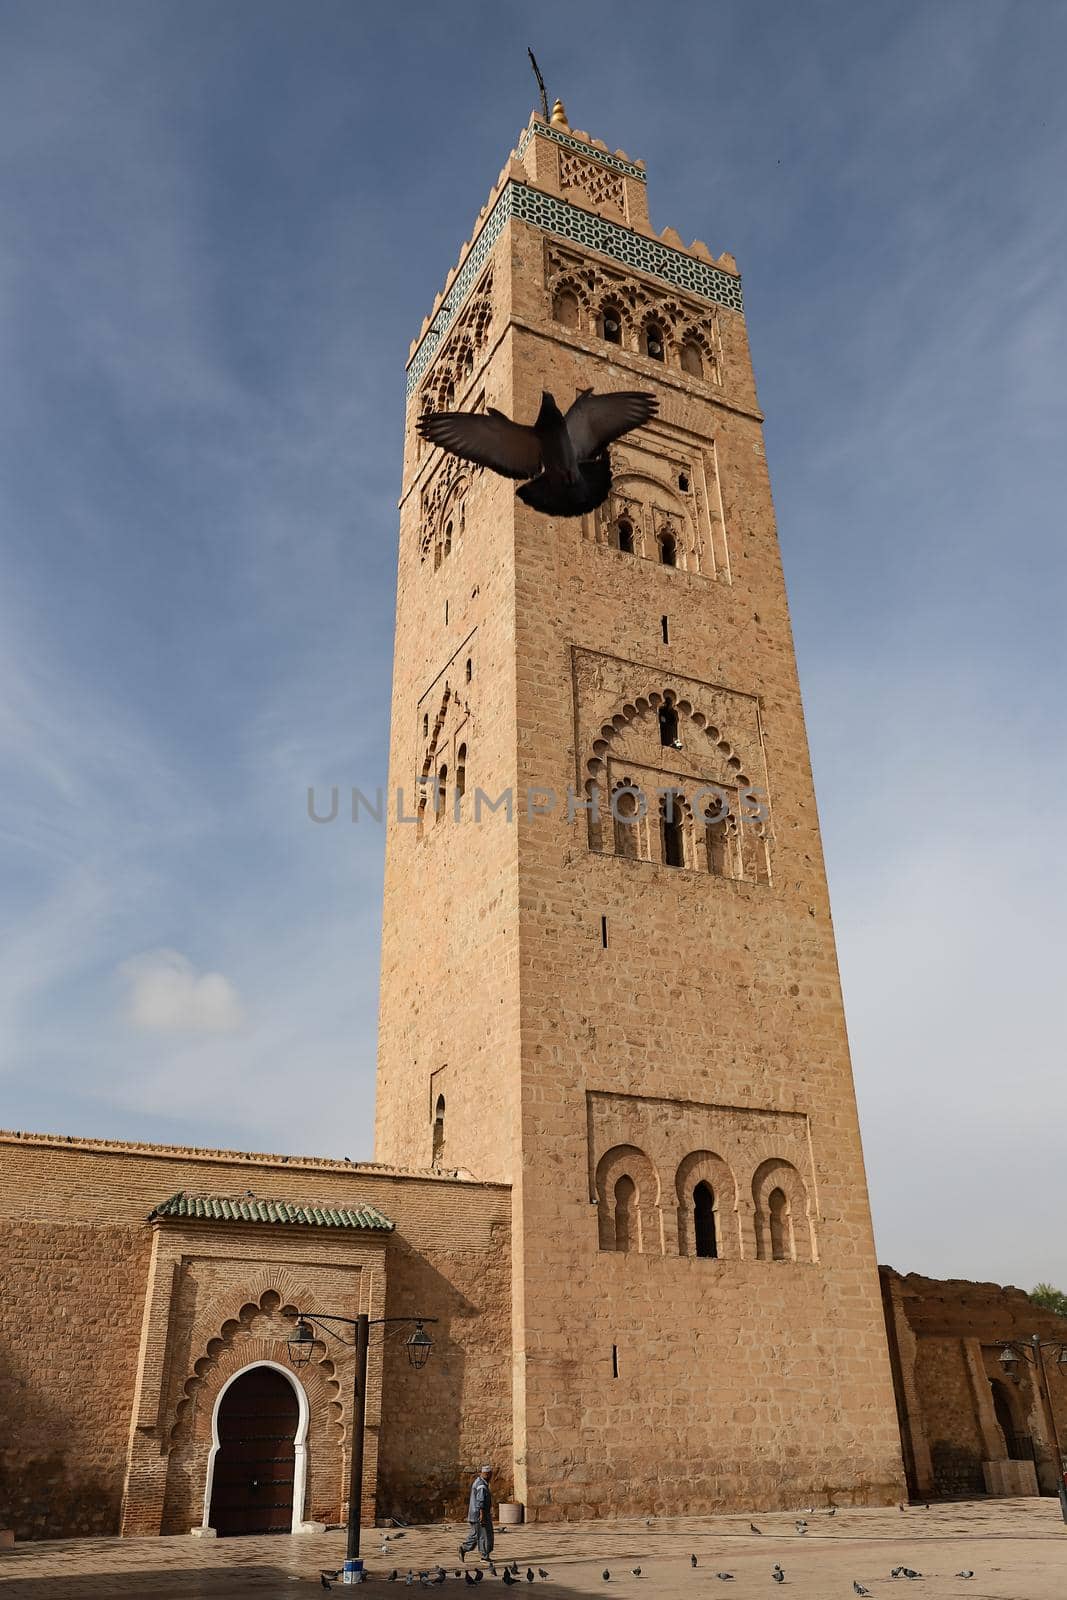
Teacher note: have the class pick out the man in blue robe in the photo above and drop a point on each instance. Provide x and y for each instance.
(480, 1517)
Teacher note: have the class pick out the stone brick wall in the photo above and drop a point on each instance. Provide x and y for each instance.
(115, 1340)
(710, 1022)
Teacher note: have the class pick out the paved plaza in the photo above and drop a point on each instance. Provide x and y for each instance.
(1017, 1550)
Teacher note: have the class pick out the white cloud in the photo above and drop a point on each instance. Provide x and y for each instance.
(168, 995)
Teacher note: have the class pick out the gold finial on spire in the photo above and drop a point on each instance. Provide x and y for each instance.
(559, 116)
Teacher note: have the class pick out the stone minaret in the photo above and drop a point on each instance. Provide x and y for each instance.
(633, 1017)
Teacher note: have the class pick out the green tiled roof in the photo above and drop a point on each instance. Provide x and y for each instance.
(250, 1208)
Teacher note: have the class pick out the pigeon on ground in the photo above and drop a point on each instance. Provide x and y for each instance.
(468, 1577)
(833, 1511)
(507, 1576)
(606, 1575)
(753, 1529)
(859, 1588)
(440, 1575)
(965, 1574)
(393, 1576)
(778, 1575)
(692, 1561)
(479, 1575)
(492, 1569)
(564, 458)
(725, 1576)
(802, 1527)
(326, 1584)
(541, 1573)
(514, 1569)
(636, 1571)
(909, 1572)
(529, 1575)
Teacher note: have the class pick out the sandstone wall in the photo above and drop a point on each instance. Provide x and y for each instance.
(114, 1344)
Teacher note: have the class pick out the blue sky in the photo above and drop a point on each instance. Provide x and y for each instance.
(223, 225)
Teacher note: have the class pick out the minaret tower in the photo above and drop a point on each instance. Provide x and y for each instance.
(631, 1014)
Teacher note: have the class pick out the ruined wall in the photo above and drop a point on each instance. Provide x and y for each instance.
(946, 1337)
(112, 1352)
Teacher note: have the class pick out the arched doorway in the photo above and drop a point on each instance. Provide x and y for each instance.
(254, 1485)
(1017, 1442)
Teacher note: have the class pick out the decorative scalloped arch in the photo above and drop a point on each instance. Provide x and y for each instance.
(776, 1174)
(704, 1166)
(627, 1161)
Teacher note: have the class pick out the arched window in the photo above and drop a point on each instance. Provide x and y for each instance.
(461, 770)
(627, 825)
(624, 532)
(719, 847)
(668, 726)
(611, 325)
(439, 795)
(652, 343)
(448, 395)
(781, 1225)
(438, 1130)
(671, 831)
(565, 307)
(447, 541)
(425, 724)
(625, 1213)
(704, 1239)
(668, 548)
(470, 670)
(683, 482)
(692, 361)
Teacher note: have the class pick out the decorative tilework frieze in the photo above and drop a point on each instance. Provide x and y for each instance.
(593, 233)
(544, 131)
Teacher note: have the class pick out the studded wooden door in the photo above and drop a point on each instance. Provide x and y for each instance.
(252, 1487)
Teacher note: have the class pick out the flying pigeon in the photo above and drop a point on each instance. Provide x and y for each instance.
(564, 458)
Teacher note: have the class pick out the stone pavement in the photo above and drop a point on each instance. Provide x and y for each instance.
(1016, 1548)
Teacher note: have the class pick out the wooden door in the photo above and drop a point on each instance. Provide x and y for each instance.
(252, 1488)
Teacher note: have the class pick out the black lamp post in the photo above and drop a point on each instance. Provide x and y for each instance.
(300, 1347)
(1033, 1351)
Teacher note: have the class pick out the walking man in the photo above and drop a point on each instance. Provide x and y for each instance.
(480, 1517)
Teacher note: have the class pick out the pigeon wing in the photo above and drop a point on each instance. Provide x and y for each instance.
(492, 440)
(594, 420)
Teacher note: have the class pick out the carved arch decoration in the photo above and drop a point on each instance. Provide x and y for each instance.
(638, 302)
(703, 1166)
(446, 499)
(622, 1162)
(256, 1334)
(773, 1178)
(455, 361)
(653, 507)
(753, 838)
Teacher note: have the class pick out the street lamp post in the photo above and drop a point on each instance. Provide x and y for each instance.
(1034, 1353)
(303, 1341)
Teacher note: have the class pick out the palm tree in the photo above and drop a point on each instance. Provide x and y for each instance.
(1053, 1299)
